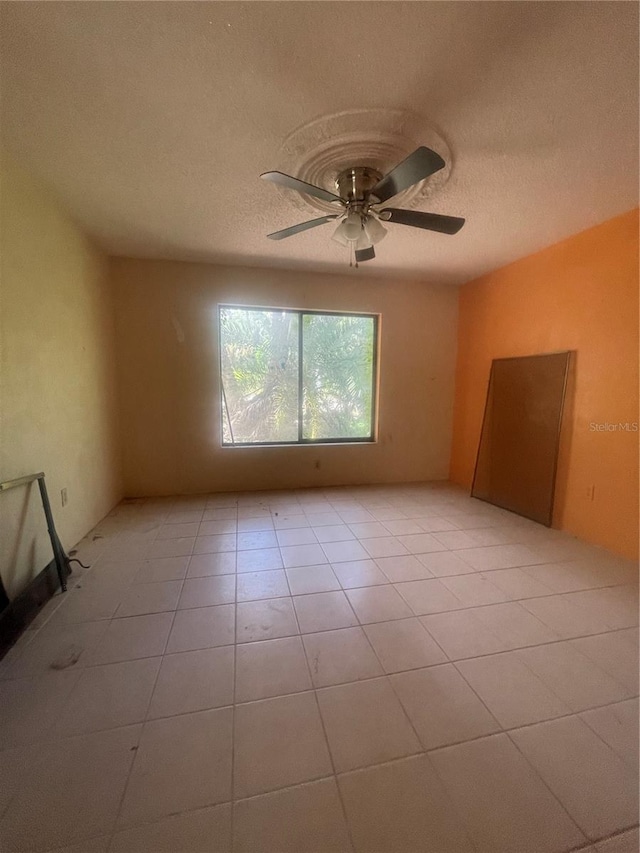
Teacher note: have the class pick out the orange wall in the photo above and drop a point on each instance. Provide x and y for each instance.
(581, 295)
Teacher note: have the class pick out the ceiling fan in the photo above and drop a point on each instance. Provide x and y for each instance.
(361, 192)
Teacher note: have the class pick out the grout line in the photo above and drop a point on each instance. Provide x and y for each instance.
(232, 792)
(145, 718)
(324, 731)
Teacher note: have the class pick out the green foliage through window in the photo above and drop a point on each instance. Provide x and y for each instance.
(296, 376)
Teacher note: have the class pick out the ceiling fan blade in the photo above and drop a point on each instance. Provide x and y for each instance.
(416, 167)
(429, 221)
(294, 184)
(302, 226)
(365, 255)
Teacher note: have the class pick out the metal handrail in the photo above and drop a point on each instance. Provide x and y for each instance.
(62, 560)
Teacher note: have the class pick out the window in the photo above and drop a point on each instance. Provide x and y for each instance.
(296, 377)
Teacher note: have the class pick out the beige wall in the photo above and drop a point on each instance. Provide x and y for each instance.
(57, 377)
(170, 398)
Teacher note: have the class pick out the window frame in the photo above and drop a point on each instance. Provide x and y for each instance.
(301, 441)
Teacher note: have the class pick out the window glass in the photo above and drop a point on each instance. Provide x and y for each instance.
(296, 376)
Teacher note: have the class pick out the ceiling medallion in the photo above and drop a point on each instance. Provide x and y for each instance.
(320, 150)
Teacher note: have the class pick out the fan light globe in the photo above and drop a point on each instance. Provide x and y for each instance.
(339, 237)
(352, 227)
(375, 230)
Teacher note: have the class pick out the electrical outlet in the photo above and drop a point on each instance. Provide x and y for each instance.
(63, 496)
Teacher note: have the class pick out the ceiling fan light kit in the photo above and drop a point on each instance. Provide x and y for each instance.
(361, 192)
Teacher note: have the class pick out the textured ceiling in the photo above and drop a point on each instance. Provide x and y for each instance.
(152, 121)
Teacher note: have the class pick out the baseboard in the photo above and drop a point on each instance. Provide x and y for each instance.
(19, 613)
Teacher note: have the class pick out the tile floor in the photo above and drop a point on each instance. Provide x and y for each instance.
(374, 669)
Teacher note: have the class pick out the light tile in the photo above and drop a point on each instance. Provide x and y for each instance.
(455, 539)
(207, 591)
(474, 590)
(202, 628)
(302, 555)
(365, 724)
(386, 546)
(245, 525)
(344, 552)
(616, 653)
(566, 619)
(215, 528)
(178, 531)
(403, 527)
(204, 565)
(255, 585)
(513, 625)
(278, 742)
(304, 819)
(573, 677)
(513, 693)
(354, 516)
(519, 583)
(266, 559)
(333, 533)
(323, 611)
(499, 557)
(435, 524)
(30, 707)
(193, 681)
(368, 530)
(377, 604)
(288, 521)
(109, 696)
(626, 842)
(162, 569)
(203, 831)
(184, 516)
(215, 544)
(567, 576)
(265, 619)
(336, 657)
(617, 606)
(214, 513)
(443, 563)
(168, 548)
(402, 806)
(387, 513)
(57, 647)
(93, 845)
(442, 707)
(421, 543)
(270, 668)
(403, 644)
(296, 536)
(359, 573)
(306, 579)
(257, 539)
(403, 568)
(501, 800)
(70, 791)
(617, 726)
(428, 596)
(149, 598)
(131, 638)
(597, 789)
(323, 519)
(182, 763)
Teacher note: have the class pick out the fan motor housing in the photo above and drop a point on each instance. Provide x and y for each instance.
(355, 184)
